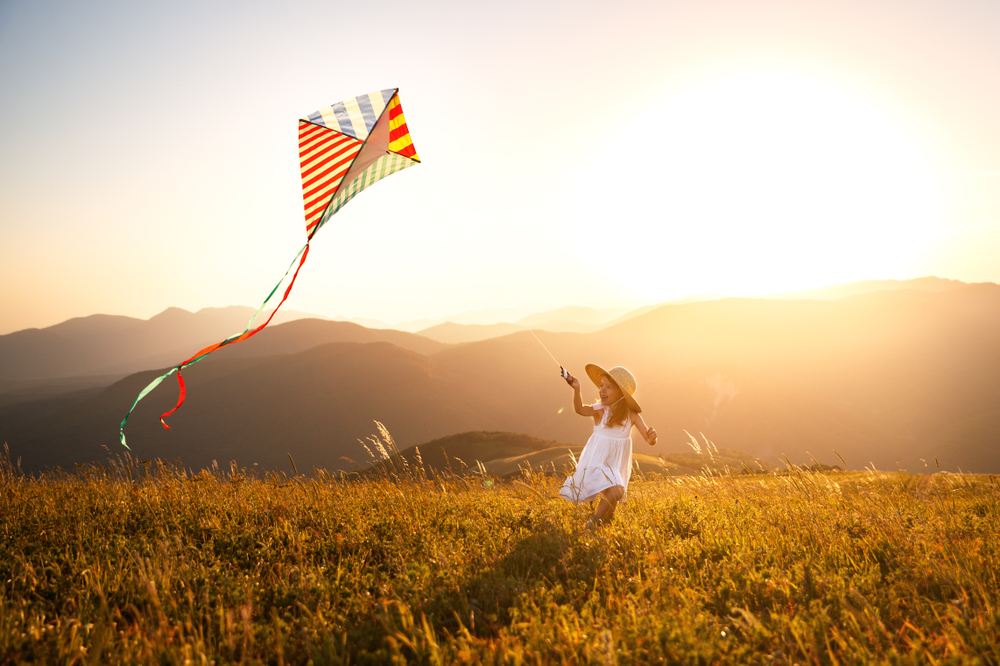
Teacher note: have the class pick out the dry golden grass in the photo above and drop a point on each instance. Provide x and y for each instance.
(129, 563)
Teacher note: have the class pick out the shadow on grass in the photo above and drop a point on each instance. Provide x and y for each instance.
(545, 564)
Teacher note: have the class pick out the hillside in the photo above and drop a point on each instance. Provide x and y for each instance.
(933, 284)
(892, 379)
(452, 333)
(303, 334)
(507, 454)
(94, 344)
(315, 404)
(574, 319)
(884, 378)
(115, 345)
(111, 345)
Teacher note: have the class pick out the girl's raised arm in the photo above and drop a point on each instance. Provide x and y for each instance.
(578, 405)
(648, 434)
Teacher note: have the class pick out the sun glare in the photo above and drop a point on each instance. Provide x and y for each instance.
(768, 181)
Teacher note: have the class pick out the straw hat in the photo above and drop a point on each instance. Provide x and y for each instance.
(621, 377)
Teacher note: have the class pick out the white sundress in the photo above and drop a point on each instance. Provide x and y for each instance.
(606, 461)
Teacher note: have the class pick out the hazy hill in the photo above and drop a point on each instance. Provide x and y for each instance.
(483, 324)
(27, 405)
(460, 453)
(486, 317)
(303, 334)
(112, 345)
(889, 374)
(886, 377)
(868, 286)
(316, 404)
(360, 321)
(505, 454)
(632, 314)
(22, 399)
(116, 345)
(452, 333)
(572, 319)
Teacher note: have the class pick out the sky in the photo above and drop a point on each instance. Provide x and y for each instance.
(573, 153)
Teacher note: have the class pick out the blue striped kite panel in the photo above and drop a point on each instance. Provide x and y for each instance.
(354, 117)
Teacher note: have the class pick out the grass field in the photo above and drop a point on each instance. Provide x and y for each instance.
(123, 564)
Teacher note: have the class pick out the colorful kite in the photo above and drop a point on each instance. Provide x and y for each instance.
(343, 149)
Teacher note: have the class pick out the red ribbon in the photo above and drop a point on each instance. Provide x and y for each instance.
(247, 334)
(180, 401)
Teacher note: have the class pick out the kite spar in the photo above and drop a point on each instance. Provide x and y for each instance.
(343, 149)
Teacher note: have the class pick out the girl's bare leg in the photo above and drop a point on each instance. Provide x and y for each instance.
(609, 502)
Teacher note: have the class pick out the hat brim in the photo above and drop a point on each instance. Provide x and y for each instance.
(595, 372)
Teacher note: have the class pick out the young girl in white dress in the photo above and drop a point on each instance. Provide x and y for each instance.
(605, 466)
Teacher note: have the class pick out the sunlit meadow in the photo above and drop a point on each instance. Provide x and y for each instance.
(137, 563)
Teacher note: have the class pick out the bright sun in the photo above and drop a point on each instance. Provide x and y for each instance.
(764, 182)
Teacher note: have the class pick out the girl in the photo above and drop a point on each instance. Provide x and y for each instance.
(605, 465)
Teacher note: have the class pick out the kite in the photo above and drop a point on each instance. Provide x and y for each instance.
(343, 149)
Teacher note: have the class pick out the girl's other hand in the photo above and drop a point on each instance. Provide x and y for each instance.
(651, 436)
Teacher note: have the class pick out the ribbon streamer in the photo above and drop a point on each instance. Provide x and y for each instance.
(232, 340)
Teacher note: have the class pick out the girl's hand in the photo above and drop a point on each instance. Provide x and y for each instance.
(651, 436)
(570, 379)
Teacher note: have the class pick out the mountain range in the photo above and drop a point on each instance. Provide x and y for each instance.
(116, 345)
(903, 378)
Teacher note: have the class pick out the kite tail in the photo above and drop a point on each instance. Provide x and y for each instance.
(232, 340)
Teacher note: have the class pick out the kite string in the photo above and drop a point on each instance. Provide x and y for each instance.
(480, 268)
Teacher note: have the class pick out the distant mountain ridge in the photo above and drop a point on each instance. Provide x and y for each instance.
(569, 319)
(452, 333)
(882, 378)
(933, 284)
(578, 319)
(115, 345)
(575, 319)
